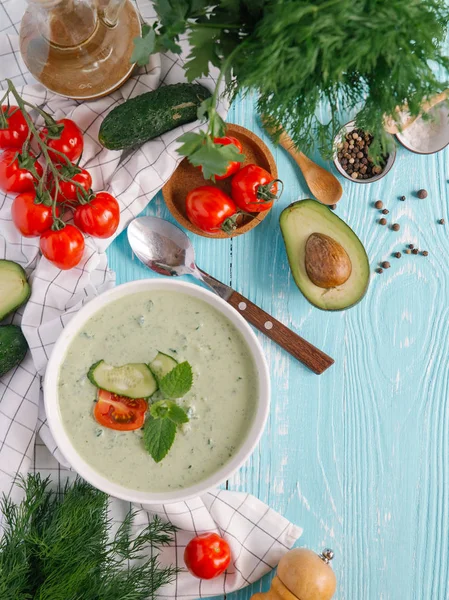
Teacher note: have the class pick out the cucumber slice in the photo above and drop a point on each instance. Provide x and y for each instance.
(134, 380)
(162, 364)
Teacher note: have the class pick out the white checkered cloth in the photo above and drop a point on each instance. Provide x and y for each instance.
(258, 536)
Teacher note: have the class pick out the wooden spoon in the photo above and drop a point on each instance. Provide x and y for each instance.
(324, 186)
(405, 119)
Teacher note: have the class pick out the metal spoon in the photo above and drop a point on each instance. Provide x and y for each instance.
(167, 250)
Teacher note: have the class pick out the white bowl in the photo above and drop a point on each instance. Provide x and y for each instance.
(437, 137)
(340, 136)
(54, 416)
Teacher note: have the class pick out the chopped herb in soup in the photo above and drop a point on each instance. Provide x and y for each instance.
(104, 378)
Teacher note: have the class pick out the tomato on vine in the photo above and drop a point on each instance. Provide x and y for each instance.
(18, 172)
(254, 189)
(99, 217)
(211, 210)
(233, 165)
(63, 247)
(76, 184)
(13, 127)
(64, 137)
(30, 217)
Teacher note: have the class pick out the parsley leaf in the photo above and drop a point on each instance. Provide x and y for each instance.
(158, 437)
(144, 46)
(191, 142)
(203, 42)
(178, 382)
(214, 158)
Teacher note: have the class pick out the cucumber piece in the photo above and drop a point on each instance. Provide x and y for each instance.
(13, 347)
(14, 287)
(151, 114)
(134, 380)
(162, 364)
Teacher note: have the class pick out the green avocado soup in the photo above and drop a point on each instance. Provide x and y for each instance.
(221, 404)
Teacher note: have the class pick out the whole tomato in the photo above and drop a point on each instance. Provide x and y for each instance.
(234, 165)
(74, 188)
(254, 189)
(69, 140)
(63, 247)
(15, 175)
(211, 210)
(16, 131)
(100, 217)
(207, 556)
(31, 219)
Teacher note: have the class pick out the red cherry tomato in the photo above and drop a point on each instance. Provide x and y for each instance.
(254, 189)
(210, 209)
(71, 190)
(16, 131)
(64, 247)
(69, 141)
(118, 412)
(31, 219)
(234, 165)
(14, 171)
(207, 556)
(100, 217)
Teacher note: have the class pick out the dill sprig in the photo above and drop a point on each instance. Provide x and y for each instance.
(311, 61)
(59, 546)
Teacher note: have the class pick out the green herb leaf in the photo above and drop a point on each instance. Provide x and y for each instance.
(178, 382)
(177, 414)
(204, 52)
(158, 436)
(191, 142)
(214, 158)
(144, 46)
(159, 409)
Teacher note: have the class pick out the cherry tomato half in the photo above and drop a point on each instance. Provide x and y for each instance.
(71, 190)
(118, 412)
(254, 189)
(14, 171)
(69, 141)
(63, 247)
(16, 131)
(234, 165)
(31, 219)
(210, 209)
(100, 217)
(207, 556)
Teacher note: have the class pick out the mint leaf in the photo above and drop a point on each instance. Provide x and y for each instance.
(214, 158)
(159, 410)
(177, 414)
(158, 437)
(144, 46)
(178, 382)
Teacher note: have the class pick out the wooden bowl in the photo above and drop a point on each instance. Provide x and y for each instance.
(187, 177)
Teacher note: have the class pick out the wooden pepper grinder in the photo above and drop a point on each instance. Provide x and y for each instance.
(302, 575)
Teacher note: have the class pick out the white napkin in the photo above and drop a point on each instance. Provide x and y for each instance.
(257, 535)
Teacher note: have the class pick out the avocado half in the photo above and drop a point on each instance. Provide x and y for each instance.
(14, 287)
(306, 217)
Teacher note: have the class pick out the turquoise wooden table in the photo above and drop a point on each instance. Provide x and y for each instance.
(359, 455)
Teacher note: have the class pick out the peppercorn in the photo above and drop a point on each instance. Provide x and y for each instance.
(385, 211)
(415, 251)
(379, 204)
(379, 270)
(411, 246)
(397, 254)
(333, 206)
(407, 251)
(422, 194)
(402, 198)
(425, 253)
(395, 227)
(441, 221)
(352, 153)
(382, 221)
(385, 264)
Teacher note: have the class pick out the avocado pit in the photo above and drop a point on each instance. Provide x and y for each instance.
(327, 263)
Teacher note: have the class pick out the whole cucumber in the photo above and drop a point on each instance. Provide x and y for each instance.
(13, 347)
(149, 115)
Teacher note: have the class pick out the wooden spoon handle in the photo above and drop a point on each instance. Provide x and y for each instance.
(390, 124)
(316, 360)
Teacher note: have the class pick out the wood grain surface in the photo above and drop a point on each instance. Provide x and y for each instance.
(358, 456)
